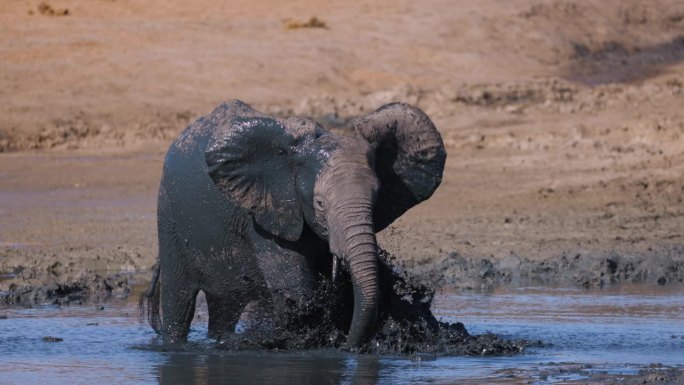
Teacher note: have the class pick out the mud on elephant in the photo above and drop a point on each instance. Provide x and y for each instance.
(252, 207)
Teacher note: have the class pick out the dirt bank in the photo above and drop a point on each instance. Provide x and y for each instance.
(562, 120)
(546, 182)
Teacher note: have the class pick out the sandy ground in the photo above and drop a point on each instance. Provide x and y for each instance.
(563, 121)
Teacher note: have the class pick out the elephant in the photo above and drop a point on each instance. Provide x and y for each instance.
(251, 204)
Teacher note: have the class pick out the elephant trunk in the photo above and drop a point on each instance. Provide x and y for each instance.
(352, 238)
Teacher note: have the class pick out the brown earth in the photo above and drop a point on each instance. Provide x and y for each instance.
(563, 121)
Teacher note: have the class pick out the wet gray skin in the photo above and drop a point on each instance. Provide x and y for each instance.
(252, 208)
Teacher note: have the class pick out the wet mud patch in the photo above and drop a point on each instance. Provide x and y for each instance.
(90, 286)
(654, 374)
(662, 267)
(67, 275)
(406, 325)
(615, 63)
(588, 374)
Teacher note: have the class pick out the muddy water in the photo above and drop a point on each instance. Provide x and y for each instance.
(615, 331)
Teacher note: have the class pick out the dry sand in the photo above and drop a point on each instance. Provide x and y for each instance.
(564, 125)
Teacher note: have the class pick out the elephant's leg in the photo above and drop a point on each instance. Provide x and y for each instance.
(224, 313)
(287, 273)
(178, 295)
(291, 283)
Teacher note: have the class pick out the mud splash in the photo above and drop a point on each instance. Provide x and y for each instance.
(406, 324)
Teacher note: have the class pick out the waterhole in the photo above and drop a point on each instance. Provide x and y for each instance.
(618, 331)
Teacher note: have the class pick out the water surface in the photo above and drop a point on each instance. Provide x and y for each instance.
(611, 330)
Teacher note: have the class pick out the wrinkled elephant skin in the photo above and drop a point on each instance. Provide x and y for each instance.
(252, 209)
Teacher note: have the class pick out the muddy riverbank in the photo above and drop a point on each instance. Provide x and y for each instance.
(564, 131)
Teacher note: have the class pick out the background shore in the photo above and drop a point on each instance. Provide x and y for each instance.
(563, 123)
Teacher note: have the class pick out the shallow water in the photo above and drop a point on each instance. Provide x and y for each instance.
(613, 330)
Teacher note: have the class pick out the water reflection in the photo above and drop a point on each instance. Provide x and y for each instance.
(286, 368)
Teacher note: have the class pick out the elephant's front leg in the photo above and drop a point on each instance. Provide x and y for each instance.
(288, 275)
(224, 313)
(289, 278)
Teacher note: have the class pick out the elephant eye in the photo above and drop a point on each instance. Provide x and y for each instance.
(281, 151)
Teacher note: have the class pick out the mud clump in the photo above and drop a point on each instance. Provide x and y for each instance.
(47, 10)
(313, 22)
(406, 325)
(52, 339)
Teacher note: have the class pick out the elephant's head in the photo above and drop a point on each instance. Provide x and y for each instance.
(288, 173)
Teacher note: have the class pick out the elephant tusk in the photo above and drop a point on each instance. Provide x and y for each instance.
(335, 268)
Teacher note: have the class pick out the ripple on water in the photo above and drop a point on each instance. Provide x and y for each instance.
(615, 331)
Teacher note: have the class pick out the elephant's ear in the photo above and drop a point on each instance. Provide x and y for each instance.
(409, 158)
(250, 159)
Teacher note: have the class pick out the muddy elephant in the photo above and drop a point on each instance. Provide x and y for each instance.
(250, 203)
